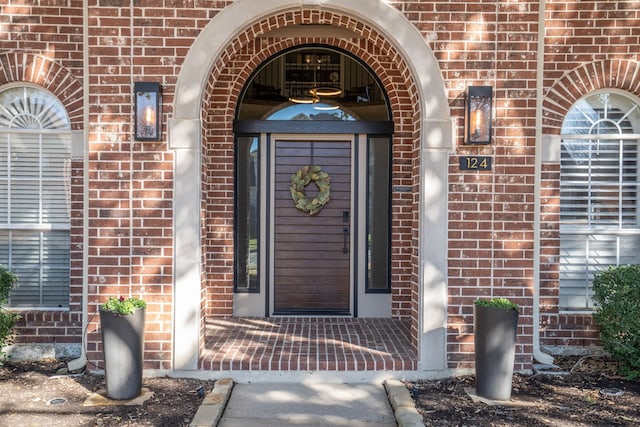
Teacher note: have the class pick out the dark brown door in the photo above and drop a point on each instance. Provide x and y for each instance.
(312, 252)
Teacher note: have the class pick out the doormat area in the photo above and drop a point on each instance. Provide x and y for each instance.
(100, 398)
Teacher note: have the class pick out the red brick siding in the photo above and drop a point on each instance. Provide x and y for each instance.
(51, 29)
(42, 45)
(27, 67)
(589, 46)
(490, 213)
(131, 183)
(49, 327)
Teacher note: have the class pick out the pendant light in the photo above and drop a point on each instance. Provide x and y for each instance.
(316, 91)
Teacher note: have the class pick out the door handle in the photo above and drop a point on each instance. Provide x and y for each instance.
(345, 235)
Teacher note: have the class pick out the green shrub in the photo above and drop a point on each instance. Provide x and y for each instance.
(123, 305)
(497, 303)
(8, 319)
(617, 301)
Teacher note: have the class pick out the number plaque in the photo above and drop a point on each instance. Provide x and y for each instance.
(482, 163)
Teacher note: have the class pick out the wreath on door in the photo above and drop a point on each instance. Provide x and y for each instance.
(299, 181)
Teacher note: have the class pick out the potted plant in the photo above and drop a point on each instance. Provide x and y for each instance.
(496, 322)
(122, 325)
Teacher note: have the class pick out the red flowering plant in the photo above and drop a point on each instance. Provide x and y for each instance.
(123, 305)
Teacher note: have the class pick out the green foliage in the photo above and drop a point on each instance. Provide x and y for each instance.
(617, 300)
(7, 280)
(123, 305)
(8, 319)
(503, 303)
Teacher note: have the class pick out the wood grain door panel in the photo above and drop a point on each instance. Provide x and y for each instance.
(311, 267)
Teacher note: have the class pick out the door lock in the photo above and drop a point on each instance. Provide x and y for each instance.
(345, 234)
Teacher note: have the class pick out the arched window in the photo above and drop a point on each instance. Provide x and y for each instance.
(35, 178)
(316, 83)
(599, 194)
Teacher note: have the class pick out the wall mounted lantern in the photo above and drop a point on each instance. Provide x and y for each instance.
(148, 111)
(477, 115)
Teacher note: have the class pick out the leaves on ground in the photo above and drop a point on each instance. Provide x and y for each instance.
(575, 399)
(28, 387)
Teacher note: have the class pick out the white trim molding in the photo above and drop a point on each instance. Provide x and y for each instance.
(435, 137)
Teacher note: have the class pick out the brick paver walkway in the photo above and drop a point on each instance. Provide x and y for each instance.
(309, 343)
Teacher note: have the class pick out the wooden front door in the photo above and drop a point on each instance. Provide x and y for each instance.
(312, 253)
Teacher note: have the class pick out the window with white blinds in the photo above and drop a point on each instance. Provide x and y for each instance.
(35, 179)
(599, 192)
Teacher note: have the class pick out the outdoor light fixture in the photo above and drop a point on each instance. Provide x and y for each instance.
(147, 111)
(477, 115)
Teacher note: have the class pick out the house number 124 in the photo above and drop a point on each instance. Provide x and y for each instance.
(475, 163)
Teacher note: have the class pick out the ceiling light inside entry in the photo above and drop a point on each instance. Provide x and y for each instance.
(325, 91)
(304, 99)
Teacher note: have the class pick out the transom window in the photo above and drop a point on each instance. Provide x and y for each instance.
(599, 221)
(35, 156)
(313, 83)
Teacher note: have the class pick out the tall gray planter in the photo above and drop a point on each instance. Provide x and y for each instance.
(495, 347)
(122, 350)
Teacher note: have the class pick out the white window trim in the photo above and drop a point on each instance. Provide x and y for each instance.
(52, 112)
(589, 229)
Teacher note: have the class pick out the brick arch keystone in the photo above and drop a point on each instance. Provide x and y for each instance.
(435, 136)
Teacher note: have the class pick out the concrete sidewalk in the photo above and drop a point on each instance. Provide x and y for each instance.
(313, 404)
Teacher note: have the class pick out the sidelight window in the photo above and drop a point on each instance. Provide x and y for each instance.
(378, 227)
(247, 214)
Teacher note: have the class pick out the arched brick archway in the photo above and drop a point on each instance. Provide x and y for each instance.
(610, 73)
(41, 71)
(423, 128)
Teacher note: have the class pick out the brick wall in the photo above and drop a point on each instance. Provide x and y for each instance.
(589, 46)
(490, 212)
(131, 183)
(41, 44)
(51, 29)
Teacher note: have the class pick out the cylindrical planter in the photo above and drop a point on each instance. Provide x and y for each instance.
(495, 347)
(122, 350)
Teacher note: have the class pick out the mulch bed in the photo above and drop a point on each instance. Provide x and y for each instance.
(592, 394)
(588, 396)
(29, 391)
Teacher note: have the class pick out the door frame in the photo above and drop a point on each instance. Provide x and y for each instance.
(353, 139)
(363, 303)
